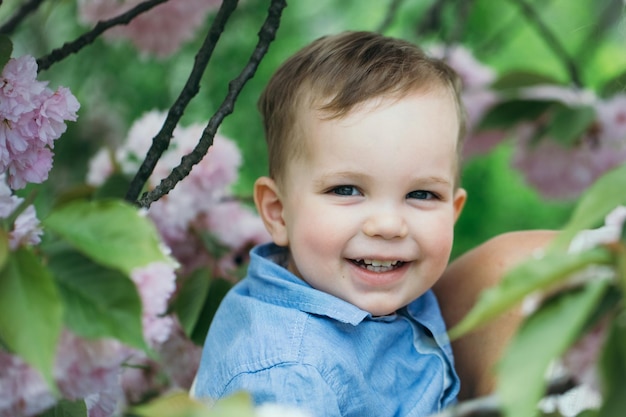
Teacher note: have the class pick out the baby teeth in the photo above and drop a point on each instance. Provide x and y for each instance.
(375, 262)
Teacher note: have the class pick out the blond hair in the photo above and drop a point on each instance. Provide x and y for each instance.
(335, 73)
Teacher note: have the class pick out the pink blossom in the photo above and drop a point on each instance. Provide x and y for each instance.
(23, 392)
(32, 117)
(200, 205)
(26, 230)
(105, 402)
(612, 119)
(477, 104)
(180, 358)
(155, 282)
(175, 368)
(84, 366)
(141, 377)
(477, 96)
(239, 229)
(474, 74)
(100, 168)
(563, 171)
(159, 31)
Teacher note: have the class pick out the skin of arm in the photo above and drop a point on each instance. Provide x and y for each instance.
(458, 289)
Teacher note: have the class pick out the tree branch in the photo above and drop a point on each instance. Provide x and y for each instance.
(266, 35)
(162, 139)
(27, 8)
(87, 38)
(551, 40)
(392, 11)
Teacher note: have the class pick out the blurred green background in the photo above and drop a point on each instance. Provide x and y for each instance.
(115, 84)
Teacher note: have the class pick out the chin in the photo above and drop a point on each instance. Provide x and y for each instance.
(381, 310)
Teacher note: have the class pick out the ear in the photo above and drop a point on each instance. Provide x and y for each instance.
(460, 196)
(269, 204)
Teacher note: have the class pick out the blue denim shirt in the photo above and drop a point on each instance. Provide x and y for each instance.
(285, 342)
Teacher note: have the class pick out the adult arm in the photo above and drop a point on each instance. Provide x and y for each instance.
(458, 289)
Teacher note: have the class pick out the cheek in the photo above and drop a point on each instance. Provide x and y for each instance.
(439, 239)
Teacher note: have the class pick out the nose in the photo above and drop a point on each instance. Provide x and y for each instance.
(387, 225)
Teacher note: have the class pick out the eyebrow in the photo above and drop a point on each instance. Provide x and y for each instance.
(333, 176)
(359, 176)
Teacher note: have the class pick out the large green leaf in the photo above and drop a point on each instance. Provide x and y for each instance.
(543, 337)
(612, 366)
(190, 298)
(217, 291)
(506, 114)
(67, 408)
(599, 199)
(519, 78)
(6, 49)
(30, 311)
(181, 405)
(99, 302)
(569, 124)
(530, 276)
(111, 232)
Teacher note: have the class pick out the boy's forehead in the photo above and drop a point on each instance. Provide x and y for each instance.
(309, 117)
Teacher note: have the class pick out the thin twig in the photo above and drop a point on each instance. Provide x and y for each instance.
(456, 33)
(431, 21)
(266, 35)
(162, 139)
(392, 11)
(551, 40)
(27, 8)
(87, 38)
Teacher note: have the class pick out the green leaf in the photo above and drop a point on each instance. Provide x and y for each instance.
(114, 187)
(30, 311)
(67, 408)
(508, 113)
(597, 201)
(99, 302)
(569, 124)
(190, 298)
(523, 280)
(6, 49)
(614, 85)
(520, 79)
(612, 365)
(4, 248)
(543, 337)
(181, 405)
(111, 232)
(217, 291)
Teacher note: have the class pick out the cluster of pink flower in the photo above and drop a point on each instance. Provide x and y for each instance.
(556, 169)
(32, 117)
(104, 372)
(199, 206)
(26, 229)
(160, 31)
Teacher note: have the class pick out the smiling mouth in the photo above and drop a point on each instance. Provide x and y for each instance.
(377, 265)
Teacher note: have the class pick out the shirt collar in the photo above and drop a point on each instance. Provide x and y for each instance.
(273, 283)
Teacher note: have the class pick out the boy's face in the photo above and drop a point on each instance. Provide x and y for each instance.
(368, 212)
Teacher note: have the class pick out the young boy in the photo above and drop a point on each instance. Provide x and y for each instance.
(337, 316)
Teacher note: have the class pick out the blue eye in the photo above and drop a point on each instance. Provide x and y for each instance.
(421, 195)
(345, 190)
